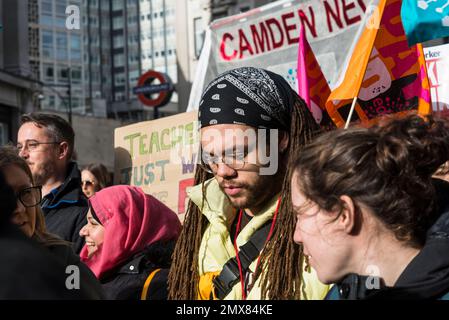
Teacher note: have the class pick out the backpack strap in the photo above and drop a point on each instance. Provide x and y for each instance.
(230, 274)
(144, 294)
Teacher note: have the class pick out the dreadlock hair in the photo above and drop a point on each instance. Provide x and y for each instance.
(183, 278)
(281, 257)
(281, 260)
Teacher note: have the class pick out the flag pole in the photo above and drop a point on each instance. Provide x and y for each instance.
(351, 112)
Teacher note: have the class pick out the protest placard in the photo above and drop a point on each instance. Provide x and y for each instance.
(437, 60)
(159, 156)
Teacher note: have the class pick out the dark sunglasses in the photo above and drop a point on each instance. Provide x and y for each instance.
(88, 183)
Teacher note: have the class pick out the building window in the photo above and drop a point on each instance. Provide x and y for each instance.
(76, 75)
(60, 14)
(119, 60)
(117, 5)
(198, 29)
(119, 96)
(117, 23)
(75, 47)
(49, 72)
(134, 76)
(51, 102)
(63, 75)
(118, 41)
(46, 17)
(47, 44)
(61, 46)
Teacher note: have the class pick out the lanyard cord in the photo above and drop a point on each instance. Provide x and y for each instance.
(242, 280)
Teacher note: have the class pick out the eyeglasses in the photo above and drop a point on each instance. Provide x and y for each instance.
(32, 145)
(88, 183)
(30, 197)
(234, 161)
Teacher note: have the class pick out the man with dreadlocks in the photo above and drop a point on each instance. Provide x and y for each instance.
(237, 240)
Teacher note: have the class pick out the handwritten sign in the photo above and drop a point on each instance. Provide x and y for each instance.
(159, 156)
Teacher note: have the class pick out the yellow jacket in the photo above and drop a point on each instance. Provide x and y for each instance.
(217, 247)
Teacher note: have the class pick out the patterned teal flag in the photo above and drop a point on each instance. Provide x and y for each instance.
(425, 20)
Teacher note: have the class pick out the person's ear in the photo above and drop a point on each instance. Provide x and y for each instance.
(63, 150)
(348, 215)
(283, 141)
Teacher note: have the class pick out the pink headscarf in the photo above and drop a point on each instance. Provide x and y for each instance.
(132, 220)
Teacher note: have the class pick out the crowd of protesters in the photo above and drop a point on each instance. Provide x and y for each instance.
(358, 213)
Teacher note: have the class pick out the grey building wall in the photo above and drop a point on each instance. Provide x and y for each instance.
(17, 92)
(14, 17)
(94, 139)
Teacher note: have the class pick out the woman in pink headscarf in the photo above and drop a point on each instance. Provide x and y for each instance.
(129, 236)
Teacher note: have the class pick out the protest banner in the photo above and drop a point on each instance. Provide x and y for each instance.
(437, 60)
(159, 156)
(267, 37)
(425, 20)
(384, 75)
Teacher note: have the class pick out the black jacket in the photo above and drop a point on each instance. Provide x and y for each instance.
(426, 276)
(68, 258)
(127, 281)
(65, 209)
(29, 271)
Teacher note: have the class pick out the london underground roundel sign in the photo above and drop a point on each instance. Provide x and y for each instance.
(154, 89)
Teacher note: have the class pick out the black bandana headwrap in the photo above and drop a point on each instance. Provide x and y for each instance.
(249, 96)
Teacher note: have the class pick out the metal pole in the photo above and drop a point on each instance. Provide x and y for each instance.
(70, 94)
(156, 113)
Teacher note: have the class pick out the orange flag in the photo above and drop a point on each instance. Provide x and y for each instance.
(384, 73)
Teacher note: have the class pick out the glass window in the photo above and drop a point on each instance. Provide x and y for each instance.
(49, 72)
(49, 102)
(134, 76)
(46, 17)
(119, 96)
(118, 41)
(119, 79)
(61, 46)
(47, 44)
(117, 23)
(63, 75)
(117, 5)
(76, 74)
(75, 47)
(119, 60)
(46, 7)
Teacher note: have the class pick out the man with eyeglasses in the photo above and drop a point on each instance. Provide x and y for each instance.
(46, 142)
(238, 231)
